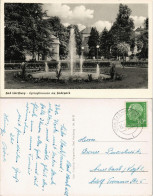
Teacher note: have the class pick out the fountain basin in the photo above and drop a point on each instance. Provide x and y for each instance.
(67, 75)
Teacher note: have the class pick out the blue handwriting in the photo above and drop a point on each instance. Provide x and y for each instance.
(53, 173)
(131, 169)
(57, 108)
(85, 139)
(62, 153)
(12, 138)
(47, 135)
(26, 118)
(37, 153)
(55, 126)
(44, 183)
(41, 122)
(49, 117)
(4, 148)
(16, 172)
(30, 156)
(36, 168)
(42, 108)
(46, 156)
(34, 110)
(53, 158)
(45, 169)
(19, 118)
(6, 121)
(35, 181)
(63, 130)
(38, 141)
(126, 151)
(31, 128)
(30, 143)
(86, 151)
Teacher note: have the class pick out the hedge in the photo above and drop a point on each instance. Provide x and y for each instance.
(135, 64)
(53, 65)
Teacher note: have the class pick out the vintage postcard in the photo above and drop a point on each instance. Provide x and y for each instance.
(76, 147)
(79, 49)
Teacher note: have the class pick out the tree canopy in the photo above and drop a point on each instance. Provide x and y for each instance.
(61, 32)
(105, 43)
(25, 30)
(122, 49)
(93, 41)
(123, 26)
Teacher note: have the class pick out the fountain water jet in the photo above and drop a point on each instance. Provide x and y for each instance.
(81, 63)
(58, 67)
(46, 67)
(98, 70)
(72, 50)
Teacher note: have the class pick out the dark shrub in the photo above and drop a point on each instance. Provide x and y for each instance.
(135, 64)
(90, 77)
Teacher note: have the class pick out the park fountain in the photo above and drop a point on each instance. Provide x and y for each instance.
(65, 75)
(46, 67)
(98, 70)
(72, 50)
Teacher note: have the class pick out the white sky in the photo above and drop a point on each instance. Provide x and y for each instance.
(98, 15)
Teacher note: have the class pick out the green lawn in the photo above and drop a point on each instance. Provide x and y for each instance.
(132, 78)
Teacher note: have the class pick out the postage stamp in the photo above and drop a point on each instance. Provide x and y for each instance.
(136, 115)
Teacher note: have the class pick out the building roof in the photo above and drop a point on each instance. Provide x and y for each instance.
(87, 30)
(139, 29)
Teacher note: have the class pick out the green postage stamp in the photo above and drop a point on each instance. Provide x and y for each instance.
(136, 115)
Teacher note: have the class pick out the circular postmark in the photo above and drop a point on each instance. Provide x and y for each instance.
(119, 125)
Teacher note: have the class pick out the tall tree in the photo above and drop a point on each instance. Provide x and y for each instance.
(123, 27)
(132, 42)
(13, 32)
(146, 23)
(93, 41)
(104, 43)
(143, 39)
(25, 30)
(78, 39)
